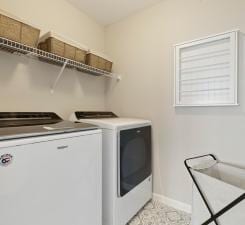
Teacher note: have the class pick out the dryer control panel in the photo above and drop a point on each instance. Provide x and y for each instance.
(94, 115)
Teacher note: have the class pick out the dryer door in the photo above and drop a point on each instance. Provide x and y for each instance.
(134, 158)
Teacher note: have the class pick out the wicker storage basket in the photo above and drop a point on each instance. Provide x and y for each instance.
(58, 47)
(29, 35)
(54, 46)
(108, 66)
(92, 60)
(98, 62)
(43, 46)
(80, 55)
(18, 31)
(10, 28)
(69, 52)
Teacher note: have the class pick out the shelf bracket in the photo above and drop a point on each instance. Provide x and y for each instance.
(114, 76)
(58, 77)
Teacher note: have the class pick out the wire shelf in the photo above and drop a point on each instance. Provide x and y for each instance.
(15, 47)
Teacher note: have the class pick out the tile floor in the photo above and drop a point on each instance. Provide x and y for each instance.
(156, 213)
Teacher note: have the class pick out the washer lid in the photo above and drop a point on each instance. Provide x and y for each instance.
(30, 124)
(117, 123)
(20, 119)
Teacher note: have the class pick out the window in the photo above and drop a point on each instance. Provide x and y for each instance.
(206, 71)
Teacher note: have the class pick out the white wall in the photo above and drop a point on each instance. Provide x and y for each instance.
(142, 49)
(25, 83)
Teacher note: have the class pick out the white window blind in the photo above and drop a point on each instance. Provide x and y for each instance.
(206, 71)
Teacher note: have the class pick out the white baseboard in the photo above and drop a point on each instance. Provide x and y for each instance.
(172, 203)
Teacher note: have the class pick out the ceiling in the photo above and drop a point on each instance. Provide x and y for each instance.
(109, 11)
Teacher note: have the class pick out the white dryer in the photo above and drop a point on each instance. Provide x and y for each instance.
(126, 163)
(50, 171)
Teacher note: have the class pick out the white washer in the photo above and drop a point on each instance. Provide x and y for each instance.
(126, 163)
(50, 171)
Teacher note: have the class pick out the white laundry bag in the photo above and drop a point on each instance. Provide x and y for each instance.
(220, 184)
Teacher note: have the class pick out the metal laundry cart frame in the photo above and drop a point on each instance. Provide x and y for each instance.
(214, 216)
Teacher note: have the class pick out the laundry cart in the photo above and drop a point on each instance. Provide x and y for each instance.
(218, 191)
